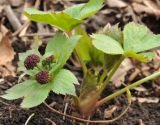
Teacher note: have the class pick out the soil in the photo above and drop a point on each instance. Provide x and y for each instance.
(138, 114)
(12, 114)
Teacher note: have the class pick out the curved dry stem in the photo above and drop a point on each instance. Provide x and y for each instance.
(89, 121)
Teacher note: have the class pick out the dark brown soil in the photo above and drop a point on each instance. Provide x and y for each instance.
(12, 114)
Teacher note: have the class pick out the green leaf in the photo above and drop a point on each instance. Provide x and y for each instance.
(60, 20)
(107, 44)
(56, 43)
(36, 97)
(63, 47)
(68, 48)
(129, 95)
(20, 90)
(143, 57)
(63, 83)
(136, 56)
(138, 38)
(84, 45)
(148, 55)
(86, 50)
(83, 11)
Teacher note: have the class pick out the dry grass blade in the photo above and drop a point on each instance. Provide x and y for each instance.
(26, 123)
(116, 3)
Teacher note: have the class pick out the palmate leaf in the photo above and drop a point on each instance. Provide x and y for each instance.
(63, 83)
(107, 44)
(138, 38)
(56, 43)
(36, 97)
(60, 20)
(63, 47)
(83, 11)
(20, 90)
(33, 93)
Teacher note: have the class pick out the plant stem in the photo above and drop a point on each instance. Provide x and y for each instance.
(111, 73)
(131, 86)
(84, 68)
(103, 76)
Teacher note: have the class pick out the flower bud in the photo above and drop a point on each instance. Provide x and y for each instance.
(48, 60)
(31, 61)
(42, 77)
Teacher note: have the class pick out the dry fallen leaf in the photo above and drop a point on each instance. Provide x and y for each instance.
(146, 100)
(109, 111)
(153, 6)
(148, 7)
(7, 70)
(16, 3)
(6, 52)
(116, 3)
(138, 1)
(119, 77)
(141, 122)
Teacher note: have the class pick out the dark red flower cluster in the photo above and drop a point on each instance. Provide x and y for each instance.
(31, 61)
(48, 60)
(42, 77)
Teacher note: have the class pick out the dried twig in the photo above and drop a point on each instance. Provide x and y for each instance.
(65, 110)
(52, 122)
(12, 18)
(27, 23)
(38, 34)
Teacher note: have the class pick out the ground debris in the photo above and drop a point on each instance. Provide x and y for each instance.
(146, 99)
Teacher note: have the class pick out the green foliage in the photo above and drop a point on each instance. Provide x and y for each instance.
(107, 44)
(148, 55)
(60, 20)
(63, 48)
(136, 56)
(61, 82)
(20, 90)
(83, 11)
(87, 51)
(114, 32)
(138, 38)
(36, 97)
(69, 18)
